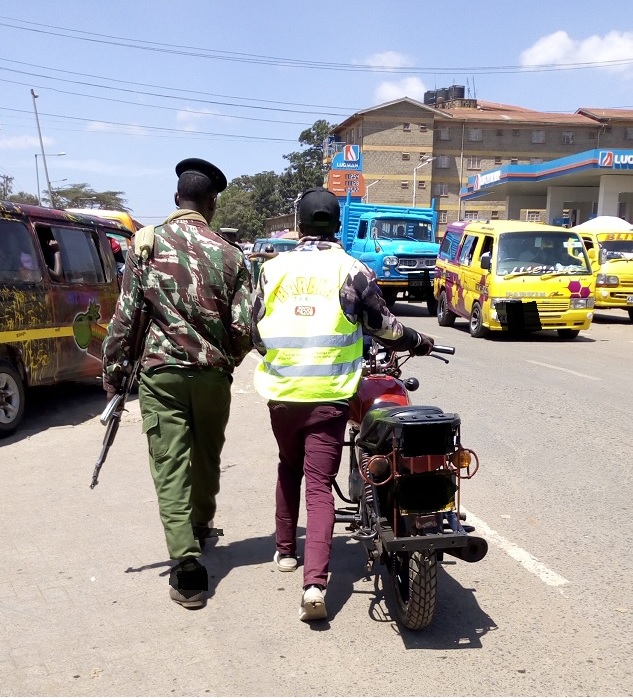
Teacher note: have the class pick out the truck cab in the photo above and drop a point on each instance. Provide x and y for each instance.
(398, 244)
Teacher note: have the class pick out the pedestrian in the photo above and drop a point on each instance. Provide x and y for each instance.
(310, 310)
(198, 291)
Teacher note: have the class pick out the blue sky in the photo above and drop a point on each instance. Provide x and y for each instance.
(127, 88)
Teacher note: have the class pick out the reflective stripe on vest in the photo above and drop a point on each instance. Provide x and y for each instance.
(313, 352)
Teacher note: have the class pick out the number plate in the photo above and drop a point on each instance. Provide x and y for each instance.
(418, 281)
(629, 300)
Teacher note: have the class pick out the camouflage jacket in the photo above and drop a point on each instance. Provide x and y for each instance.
(199, 293)
(360, 298)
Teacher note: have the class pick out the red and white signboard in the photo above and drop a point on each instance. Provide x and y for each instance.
(339, 182)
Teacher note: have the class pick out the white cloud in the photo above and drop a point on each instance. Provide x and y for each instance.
(194, 120)
(101, 127)
(23, 143)
(396, 89)
(388, 59)
(559, 48)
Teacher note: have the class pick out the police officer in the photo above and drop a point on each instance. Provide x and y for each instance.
(199, 294)
(311, 308)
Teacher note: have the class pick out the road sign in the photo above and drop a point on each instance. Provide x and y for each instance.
(339, 182)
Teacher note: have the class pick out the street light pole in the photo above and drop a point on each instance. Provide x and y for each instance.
(37, 175)
(367, 189)
(424, 161)
(39, 133)
(296, 203)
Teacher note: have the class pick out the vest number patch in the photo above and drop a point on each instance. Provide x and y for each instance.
(305, 310)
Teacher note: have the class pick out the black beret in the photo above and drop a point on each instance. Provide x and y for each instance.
(203, 167)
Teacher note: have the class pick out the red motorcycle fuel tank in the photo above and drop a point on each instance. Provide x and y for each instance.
(373, 389)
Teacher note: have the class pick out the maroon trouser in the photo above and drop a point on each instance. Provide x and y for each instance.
(310, 437)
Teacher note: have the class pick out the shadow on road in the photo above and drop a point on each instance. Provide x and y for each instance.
(64, 404)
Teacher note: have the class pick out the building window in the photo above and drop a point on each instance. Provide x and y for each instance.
(443, 161)
(440, 189)
(406, 156)
(533, 216)
(536, 161)
(628, 133)
(498, 160)
(471, 215)
(404, 184)
(475, 134)
(473, 162)
(445, 134)
(516, 132)
(421, 184)
(494, 214)
(567, 138)
(423, 127)
(499, 132)
(514, 161)
(422, 156)
(443, 216)
(406, 127)
(538, 136)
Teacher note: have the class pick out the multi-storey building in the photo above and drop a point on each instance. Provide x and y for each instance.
(414, 152)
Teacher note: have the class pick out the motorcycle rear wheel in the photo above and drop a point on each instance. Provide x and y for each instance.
(414, 581)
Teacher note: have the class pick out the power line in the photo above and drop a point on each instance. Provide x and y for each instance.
(233, 56)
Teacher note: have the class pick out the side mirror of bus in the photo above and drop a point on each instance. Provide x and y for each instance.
(486, 261)
(603, 256)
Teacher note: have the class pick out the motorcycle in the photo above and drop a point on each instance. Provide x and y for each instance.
(406, 464)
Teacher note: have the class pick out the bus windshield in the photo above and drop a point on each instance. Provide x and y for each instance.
(618, 249)
(541, 253)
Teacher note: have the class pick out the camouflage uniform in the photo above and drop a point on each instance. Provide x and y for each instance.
(199, 292)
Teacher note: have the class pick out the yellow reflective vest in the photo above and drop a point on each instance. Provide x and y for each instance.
(313, 352)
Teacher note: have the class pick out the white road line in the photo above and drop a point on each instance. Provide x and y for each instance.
(566, 370)
(524, 558)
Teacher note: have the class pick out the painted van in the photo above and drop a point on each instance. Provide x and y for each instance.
(514, 275)
(51, 326)
(612, 238)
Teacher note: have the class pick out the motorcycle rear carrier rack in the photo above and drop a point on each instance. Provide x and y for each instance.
(428, 542)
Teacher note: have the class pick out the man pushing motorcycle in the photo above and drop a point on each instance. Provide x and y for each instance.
(311, 308)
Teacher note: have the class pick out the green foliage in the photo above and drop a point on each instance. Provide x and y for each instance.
(23, 197)
(250, 199)
(84, 196)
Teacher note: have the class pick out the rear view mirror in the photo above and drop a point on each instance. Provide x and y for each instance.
(603, 255)
(485, 261)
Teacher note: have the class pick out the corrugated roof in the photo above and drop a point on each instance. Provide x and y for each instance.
(607, 114)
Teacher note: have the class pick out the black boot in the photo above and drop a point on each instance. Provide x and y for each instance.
(188, 580)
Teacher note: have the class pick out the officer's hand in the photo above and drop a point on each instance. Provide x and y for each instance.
(424, 345)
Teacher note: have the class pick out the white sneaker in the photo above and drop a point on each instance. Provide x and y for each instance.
(313, 604)
(285, 563)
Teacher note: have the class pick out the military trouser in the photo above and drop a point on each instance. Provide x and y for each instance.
(185, 413)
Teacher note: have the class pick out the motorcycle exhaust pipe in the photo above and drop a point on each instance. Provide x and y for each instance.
(473, 551)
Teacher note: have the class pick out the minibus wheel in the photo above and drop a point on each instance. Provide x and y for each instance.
(566, 333)
(476, 327)
(11, 398)
(445, 316)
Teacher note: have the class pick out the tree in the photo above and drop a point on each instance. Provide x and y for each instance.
(306, 168)
(23, 197)
(84, 196)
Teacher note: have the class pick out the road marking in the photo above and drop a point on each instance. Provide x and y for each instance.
(524, 558)
(566, 370)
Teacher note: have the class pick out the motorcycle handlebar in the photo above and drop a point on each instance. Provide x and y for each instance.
(440, 349)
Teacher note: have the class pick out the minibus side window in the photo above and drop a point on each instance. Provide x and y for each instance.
(19, 262)
(450, 243)
(80, 255)
(468, 250)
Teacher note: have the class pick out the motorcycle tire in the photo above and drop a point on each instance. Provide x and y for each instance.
(414, 581)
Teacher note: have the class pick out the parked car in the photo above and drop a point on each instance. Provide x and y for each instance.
(52, 326)
(266, 248)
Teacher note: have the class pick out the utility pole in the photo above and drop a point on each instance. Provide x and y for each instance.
(39, 133)
(6, 185)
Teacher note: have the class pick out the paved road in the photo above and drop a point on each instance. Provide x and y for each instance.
(83, 581)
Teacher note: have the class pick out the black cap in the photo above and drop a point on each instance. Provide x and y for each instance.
(203, 167)
(319, 207)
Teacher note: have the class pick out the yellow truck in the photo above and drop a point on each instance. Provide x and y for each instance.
(514, 276)
(612, 239)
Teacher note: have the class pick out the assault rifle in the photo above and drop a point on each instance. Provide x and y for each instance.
(111, 416)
